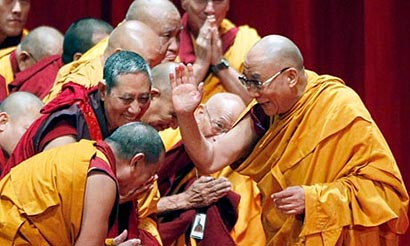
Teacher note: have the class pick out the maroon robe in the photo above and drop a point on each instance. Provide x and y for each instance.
(39, 78)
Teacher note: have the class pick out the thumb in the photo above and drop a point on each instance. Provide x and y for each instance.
(121, 238)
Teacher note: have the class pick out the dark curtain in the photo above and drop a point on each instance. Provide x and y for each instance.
(365, 42)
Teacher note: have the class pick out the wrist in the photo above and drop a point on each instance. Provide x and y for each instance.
(221, 65)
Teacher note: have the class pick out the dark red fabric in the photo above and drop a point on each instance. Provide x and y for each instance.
(221, 216)
(187, 51)
(13, 61)
(3, 91)
(39, 78)
(3, 159)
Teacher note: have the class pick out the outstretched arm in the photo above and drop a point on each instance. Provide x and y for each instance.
(209, 155)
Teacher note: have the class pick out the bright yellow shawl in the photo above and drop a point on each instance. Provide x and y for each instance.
(331, 146)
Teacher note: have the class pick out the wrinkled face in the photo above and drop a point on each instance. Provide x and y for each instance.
(161, 114)
(13, 16)
(274, 97)
(136, 174)
(213, 121)
(128, 100)
(168, 26)
(198, 10)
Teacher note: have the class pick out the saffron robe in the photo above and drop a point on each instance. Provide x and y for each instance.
(64, 75)
(38, 78)
(8, 68)
(329, 144)
(42, 199)
(236, 42)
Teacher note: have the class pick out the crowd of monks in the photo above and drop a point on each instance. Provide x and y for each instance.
(135, 135)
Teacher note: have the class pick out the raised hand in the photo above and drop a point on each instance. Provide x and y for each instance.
(186, 93)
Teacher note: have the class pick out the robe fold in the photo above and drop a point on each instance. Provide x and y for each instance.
(48, 190)
(8, 68)
(329, 144)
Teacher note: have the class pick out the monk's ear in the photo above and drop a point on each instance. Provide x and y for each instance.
(4, 119)
(103, 89)
(292, 76)
(77, 56)
(155, 92)
(137, 159)
(23, 59)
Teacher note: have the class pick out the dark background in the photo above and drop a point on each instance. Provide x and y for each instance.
(365, 42)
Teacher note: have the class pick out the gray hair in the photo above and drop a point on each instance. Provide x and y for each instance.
(137, 137)
(124, 62)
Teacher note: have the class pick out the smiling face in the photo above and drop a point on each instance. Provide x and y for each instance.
(127, 101)
(199, 10)
(13, 17)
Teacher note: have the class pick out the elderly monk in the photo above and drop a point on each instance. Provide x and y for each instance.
(215, 47)
(183, 192)
(17, 112)
(160, 15)
(50, 199)
(41, 47)
(13, 18)
(326, 173)
(93, 113)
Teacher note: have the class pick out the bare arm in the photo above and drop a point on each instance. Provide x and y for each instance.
(209, 155)
(60, 141)
(96, 210)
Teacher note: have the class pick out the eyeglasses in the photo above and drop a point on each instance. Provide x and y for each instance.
(257, 84)
(142, 99)
(218, 127)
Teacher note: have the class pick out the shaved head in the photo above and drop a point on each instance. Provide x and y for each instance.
(17, 112)
(277, 49)
(147, 10)
(138, 37)
(43, 41)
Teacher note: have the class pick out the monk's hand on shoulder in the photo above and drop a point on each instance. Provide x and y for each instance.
(186, 93)
(290, 201)
(207, 190)
(121, 240)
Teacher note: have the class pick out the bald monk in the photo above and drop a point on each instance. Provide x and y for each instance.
(324, 168)
(183, 191)
(42, 46)
(55, 200)
(13, 18)
(81, 35)
(17, 112)
(131, 35)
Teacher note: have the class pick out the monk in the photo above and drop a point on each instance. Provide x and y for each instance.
(43, 46)
(215, 47)
(17, 112)
(233, 202)
(81, 35)
(161, 16)
(93, 113)
(13, 18)
(51, 199)
(131, 35)
(320, 151)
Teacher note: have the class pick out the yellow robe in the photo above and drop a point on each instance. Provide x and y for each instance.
(245, 38)
(86, 70)
(42, 198)
(5, 65)
(329, 144)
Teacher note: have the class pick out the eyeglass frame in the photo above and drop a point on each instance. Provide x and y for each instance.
(257, 84)
(219, 129)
